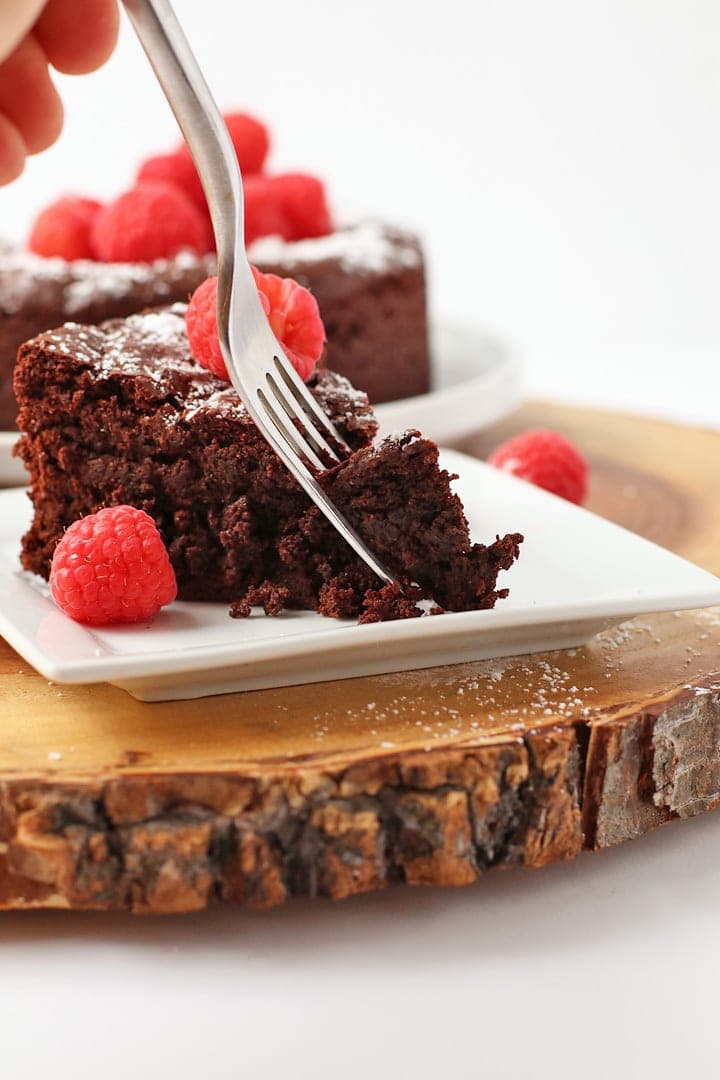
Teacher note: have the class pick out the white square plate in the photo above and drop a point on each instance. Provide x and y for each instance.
(577, 574)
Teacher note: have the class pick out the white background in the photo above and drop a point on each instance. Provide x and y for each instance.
(560, 157)
(562, 160)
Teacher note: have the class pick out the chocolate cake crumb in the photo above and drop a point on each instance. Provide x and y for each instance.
(390, 602)
(270, 597)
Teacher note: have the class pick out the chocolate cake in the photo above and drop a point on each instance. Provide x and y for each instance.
(369, 282)
(121, 413)
(37, 294)
(368, 279)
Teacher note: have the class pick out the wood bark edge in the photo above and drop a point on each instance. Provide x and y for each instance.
(177, 843)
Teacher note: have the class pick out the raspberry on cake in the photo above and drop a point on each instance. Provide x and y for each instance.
(122, 414)
(264, 215)
(302, 201)
(151, 221)
(292, 313)
(368, 279)
(176, 169)
(63, 229)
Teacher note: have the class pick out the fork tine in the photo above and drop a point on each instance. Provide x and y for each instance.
(299, 417)
(307, 402)
(287, 430)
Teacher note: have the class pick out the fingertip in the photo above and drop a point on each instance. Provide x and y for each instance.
(13, 151)
(78, 36)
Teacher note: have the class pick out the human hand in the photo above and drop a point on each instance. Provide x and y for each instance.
(72, 36)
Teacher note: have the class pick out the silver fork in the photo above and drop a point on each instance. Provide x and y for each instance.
(284, 410)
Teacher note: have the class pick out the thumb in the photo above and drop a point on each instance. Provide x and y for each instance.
(17, 17)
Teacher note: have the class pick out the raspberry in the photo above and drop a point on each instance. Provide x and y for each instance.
(201, 325)
(292, 313)
(151, 221)
(302, 201)
(63, 229)
(112, 567)
(263, 215)
(294, 316)
(250, 139)
(176, 169)
(546, 459)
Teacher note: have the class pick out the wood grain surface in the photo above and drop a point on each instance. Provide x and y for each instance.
(428, 777)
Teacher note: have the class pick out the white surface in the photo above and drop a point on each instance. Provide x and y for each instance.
(577, 574)
(598, 969)
(476, 378)
(562, 160)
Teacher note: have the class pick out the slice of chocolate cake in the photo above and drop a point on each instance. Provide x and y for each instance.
(369, 282)
(121, 413)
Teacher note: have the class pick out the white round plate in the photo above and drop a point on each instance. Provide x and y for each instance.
(12, 470)
(476, 383)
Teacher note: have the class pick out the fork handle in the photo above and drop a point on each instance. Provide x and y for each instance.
(200, 121)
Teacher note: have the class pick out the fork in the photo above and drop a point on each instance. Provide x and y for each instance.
(283, 409)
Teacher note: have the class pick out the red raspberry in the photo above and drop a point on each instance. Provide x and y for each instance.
(176, 169)
(263, 215)
(546, 459)
(250, 139)
(112, 567)
(302, 200)
(201, 325)
(63, 229)
(151, 221)
(294, 316)
(292, 313)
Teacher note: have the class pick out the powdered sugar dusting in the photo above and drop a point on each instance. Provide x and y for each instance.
(368, 247)
(153, 345)
(24, 276)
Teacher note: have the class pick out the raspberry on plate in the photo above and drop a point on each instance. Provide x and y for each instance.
(63, 229)
(302, 200)
(112, 567)
(292, 313)
(151, 221)
(547, 459)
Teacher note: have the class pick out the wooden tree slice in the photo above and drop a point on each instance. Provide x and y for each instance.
(428, 777)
